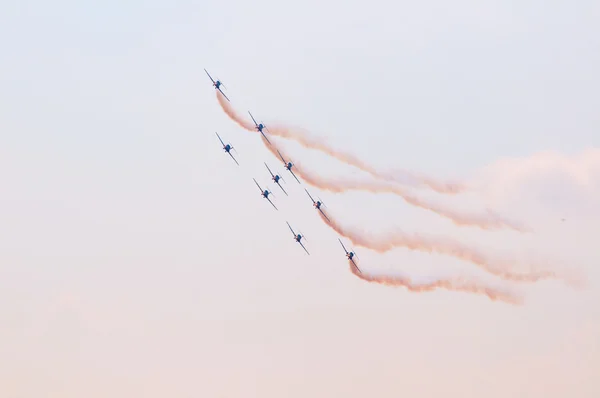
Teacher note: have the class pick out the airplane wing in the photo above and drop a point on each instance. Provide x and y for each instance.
(266, 137)
(324, 215)
(356, 266)
(311, 198)
(223, 94)
(270, 171)
(209, 76)
(286, 194)
(256, 124)
(291, 228)
(220, 138)
(343, 245)
(272, 204)
(233, 158)
(281, 156)
(261, 190)
(295, 177)
(304, 248)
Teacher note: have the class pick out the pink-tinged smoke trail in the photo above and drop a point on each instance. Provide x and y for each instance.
(435, 245)
(304, 139)
(484, 221)
(233, 115)
(459, 284)
(431, 244)
(487, 221)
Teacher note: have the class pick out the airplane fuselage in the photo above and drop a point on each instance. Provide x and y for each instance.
(227, 148)
(350, 255)
(317, 205)
(276, 178)
(288, 166)
(298, 237)
(266, 194)
(217, 84)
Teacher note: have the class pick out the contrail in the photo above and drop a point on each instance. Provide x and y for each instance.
(485, 221)
(304, 139)
(435, 245)
(460, 284)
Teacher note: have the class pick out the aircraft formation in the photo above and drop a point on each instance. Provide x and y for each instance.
(391, 182)
(288, 165)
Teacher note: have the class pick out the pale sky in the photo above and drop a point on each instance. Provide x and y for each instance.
(137, 260)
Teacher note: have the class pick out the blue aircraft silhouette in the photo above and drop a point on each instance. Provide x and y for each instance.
(260, 127)
(298, 237)
(288, 166)
(317, 204)
(276, 178)
(227, 148)
(217, 84)
(265, 194)
(350, 256)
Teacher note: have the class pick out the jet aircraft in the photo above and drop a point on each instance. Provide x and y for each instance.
(317, 204)
(227, 148)
(217, 85)
(260, 127)
(265, 194)
(298, 238)
(350, 256)
(288, 166)
(276, 178)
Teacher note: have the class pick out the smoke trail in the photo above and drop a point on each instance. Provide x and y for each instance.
(488, 221)
(400, 176)
(304, 139)
(433, 244)
(454, 284)
(438, 245)
(233, 115)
